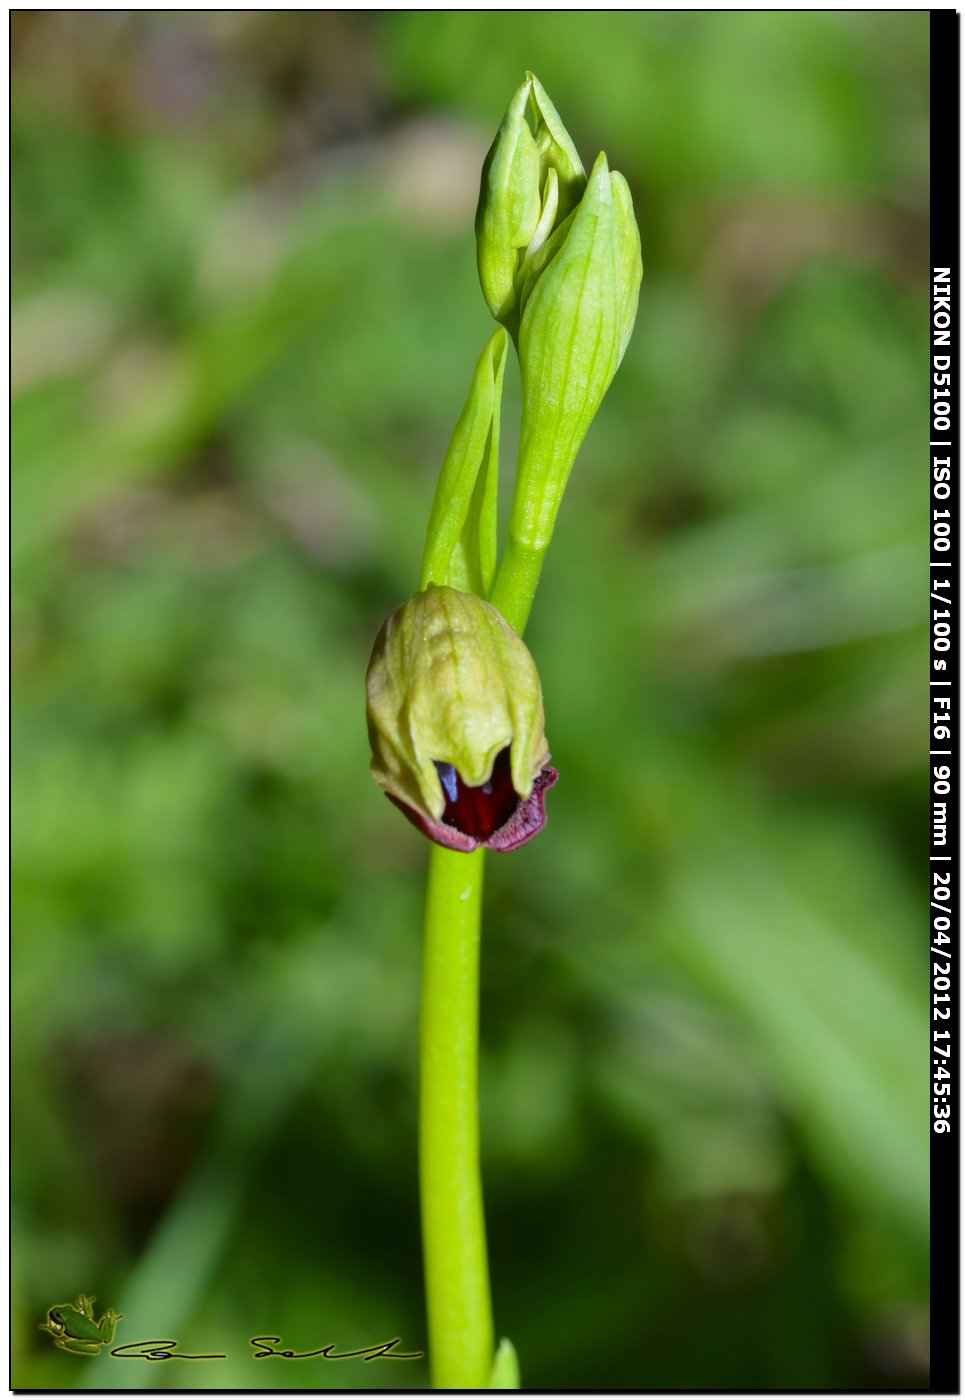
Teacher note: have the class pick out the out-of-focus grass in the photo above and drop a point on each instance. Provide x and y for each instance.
(245, 314)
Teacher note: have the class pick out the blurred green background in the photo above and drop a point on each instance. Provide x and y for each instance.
(245, 316)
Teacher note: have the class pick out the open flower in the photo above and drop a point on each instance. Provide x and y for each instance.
(455, 718)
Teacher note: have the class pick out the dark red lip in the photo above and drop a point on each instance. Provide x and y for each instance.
(493, 815)
(479, 811)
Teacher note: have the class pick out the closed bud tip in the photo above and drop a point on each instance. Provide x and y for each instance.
(531, 180)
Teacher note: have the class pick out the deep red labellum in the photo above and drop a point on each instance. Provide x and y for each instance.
(493, 815)
(479, 811)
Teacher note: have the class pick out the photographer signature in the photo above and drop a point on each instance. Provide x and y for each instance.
(167, 1350)
(74, 1328)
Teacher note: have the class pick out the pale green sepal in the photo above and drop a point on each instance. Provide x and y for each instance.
(505, 1372)
(509, 205)
(576, 322)
(449, 681)
(532, 268)
(460, 547)
(547, 219)
(556, 149)
(630, 264)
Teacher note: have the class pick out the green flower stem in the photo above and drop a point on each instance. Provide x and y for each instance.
(453, 1227)
(515, 586)
(453, 1224)
(570, 305)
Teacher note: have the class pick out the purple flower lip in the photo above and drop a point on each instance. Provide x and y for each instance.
(493, 816)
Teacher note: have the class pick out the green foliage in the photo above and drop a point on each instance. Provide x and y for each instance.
(505, 1374)
(705, 1140)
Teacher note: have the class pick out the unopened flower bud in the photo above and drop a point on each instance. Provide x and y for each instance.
(578, 300)
(455, 718)
(531, 180)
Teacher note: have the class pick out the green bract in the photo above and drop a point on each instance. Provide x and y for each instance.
(460, 544)
(531, 180)
(579, 305)
(450, 682)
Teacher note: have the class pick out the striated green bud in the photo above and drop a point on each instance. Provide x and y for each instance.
(455, 718)
(531, 180)
(579, 301)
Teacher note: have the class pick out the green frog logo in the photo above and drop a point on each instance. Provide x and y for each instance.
(74, 1329)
